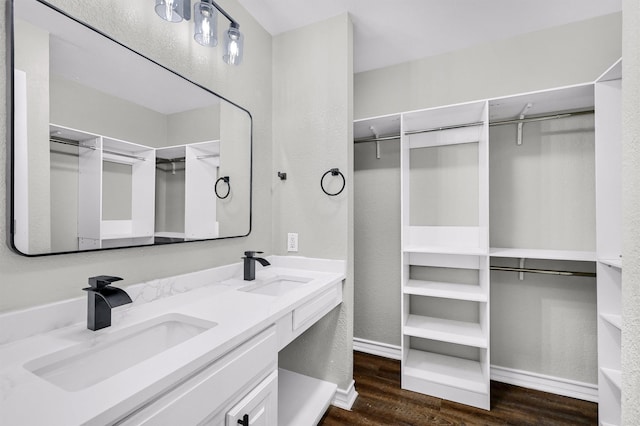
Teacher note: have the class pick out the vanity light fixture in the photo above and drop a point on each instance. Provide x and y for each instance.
(205, 18)
(173, 10)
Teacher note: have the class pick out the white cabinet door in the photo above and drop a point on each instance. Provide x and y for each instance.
(259, 407)
(215, 388)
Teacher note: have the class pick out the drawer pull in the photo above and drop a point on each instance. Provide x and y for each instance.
(244, 421)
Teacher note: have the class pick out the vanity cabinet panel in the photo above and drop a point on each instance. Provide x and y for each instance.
(301, 318)
(310, 312)
(203, 398)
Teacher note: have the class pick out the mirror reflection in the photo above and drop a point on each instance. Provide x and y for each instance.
(113, 150)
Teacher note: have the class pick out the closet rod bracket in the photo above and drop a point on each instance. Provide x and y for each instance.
(376, 137)
(521, 124)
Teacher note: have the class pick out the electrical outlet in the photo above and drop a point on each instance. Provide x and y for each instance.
(292, 241)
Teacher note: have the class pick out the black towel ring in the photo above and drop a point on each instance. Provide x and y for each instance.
(215, 188)
(334, 172)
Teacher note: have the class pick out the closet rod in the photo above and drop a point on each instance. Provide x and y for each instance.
(544, 271)
(72, 142)
(479, 123)
(70, 154)
(382, 139)
(541, 118)
(202, 157)
(502, 123)
(170, 160)
(437, 129)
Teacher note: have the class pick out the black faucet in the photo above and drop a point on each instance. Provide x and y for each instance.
(250, 264)
(102, 298)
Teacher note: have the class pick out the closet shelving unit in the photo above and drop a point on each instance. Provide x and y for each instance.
(94, 230)
(608, 92)
(542, 192)
(539, 196)
(445, 278)
(195, 168)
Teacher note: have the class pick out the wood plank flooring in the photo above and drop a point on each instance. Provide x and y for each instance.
(382, 402)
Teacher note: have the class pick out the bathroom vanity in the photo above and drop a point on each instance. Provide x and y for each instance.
(200, 348)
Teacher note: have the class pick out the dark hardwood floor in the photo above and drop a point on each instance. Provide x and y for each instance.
(382, 402)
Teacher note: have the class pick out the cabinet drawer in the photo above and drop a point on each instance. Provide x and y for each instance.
(318, 307)
(207, 392)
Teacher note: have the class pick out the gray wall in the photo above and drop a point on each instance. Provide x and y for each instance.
(198, 125)
(84, 108)
(32, 281)
(377, 242)
(312, 109)
(575, 53)
(631, 213)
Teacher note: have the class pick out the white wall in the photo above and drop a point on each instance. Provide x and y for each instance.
(36, 66)
(571, 54)
(31, 281)
(312, 109)
(631, 213)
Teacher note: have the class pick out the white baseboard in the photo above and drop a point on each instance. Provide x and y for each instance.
(551, 384)
(344, 398)
(376, 348)
(526, 379)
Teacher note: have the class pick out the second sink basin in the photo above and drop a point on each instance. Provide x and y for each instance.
(88, 363)
(277, 285)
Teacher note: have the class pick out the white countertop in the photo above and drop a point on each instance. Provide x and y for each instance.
(212, 295)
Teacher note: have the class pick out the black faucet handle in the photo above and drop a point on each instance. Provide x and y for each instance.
(102, 281)
(252, 253)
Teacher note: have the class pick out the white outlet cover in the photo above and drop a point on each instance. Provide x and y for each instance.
(292, 242)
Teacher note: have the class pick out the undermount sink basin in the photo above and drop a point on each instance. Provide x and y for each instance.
(277, 285)
(88, 363)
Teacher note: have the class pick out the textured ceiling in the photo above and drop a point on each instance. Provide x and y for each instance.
(388, 32)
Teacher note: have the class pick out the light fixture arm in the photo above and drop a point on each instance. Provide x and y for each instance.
(234, 23)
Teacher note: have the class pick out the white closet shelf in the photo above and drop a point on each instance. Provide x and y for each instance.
(616, 263)
(446, 370)
(121, 236)
(475, 251)
(615, 376)
(302, 400)
(444, 330)
(613, 319)
(583, 256)
(170, 234)
(470, 292)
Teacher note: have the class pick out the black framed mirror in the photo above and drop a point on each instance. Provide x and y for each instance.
(111, 149)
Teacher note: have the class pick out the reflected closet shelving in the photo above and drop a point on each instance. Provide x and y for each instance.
(504, 182)
(186, 204)
(115, 206)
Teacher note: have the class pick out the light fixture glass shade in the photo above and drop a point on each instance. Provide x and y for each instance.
(170, 10)
(233, 45)
(205, 18)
